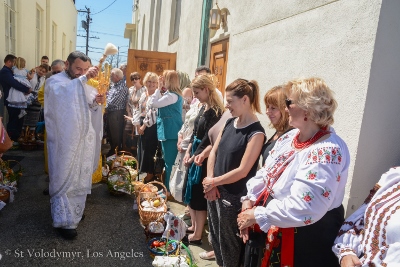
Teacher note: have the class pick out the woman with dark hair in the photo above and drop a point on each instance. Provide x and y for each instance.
(233, 160)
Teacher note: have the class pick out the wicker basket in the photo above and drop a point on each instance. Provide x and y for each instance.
(123, 182)
(28, 146)
(4, 195)
(151, 216)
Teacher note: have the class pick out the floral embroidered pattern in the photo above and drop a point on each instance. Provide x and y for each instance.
(311, 175)
(330, 155)
(338, 177)
(326, 193)
(307, 197)
(307, 221)
(286, 136)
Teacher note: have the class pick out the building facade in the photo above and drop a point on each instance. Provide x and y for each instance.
(34, 28)
(352, 45)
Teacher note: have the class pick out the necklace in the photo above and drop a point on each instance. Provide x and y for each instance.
(301, 145)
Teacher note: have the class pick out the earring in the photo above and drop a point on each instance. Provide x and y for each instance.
(305, 119)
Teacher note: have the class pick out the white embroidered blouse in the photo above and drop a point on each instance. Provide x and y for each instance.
(312, 184)
(372, 232)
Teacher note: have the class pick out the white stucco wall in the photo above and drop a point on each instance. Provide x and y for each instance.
(379, 146)
(157, 31)
(333, 40)
(338, 40)
(62, 12)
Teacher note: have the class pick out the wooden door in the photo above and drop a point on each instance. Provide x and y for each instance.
(218, 62)
(143, 61)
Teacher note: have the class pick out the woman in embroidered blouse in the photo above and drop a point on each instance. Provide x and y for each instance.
(274, 101)
(371, 235)
(145, 119)
(301, 184)
(168, 99)
(197, 153)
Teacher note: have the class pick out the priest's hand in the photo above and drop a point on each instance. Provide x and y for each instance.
(92, 72)
(100, 99)
(350, 261)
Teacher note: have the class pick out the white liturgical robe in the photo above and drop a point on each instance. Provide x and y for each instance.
(74, 130)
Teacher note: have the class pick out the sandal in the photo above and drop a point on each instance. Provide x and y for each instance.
(205, 255)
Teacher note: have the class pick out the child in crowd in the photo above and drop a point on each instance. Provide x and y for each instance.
(17, 99)
(36, 82)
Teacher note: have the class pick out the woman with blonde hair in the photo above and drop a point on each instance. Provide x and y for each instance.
(233, 160)
(168, 99)
(197, 153)
(296, 198)
(145, 120)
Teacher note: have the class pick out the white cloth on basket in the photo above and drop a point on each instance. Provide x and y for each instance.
(176, 227)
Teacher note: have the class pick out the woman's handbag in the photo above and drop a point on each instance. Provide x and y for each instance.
(177, 179)
(5, 141)
(159, 162)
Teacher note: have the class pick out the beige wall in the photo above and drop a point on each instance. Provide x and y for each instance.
(61, 12)
(353, 45)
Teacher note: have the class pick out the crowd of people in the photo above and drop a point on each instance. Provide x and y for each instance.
(285, 210)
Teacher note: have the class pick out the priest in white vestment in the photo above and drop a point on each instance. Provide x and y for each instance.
(73, 115)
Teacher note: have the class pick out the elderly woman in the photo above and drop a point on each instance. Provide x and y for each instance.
(371, 235)
(144, 118)
(297, 195)
(133, 109)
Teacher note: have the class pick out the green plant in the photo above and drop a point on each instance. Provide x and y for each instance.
(8, 175)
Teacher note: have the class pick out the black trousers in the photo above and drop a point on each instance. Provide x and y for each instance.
(116, 122)
(14, 125)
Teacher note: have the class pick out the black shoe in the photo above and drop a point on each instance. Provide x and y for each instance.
(196, 242)
(46, 192)
(67, 233)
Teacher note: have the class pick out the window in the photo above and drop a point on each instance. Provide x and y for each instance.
(175, 20)
(38, 36)
(63, 45)
(54, 40)
(10, 29)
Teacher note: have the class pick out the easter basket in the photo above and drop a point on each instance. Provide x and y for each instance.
(152, 205)
(119, 181)
(172, 254)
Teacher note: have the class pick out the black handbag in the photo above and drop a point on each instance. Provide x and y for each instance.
(159, 162)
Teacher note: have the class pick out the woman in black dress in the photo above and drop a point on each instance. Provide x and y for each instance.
(198, 151)
(232, 161)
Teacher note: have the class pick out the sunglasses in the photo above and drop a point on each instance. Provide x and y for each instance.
(136, 79)
(288, 102)
(55, 72)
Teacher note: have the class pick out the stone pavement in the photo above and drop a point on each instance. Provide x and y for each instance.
(110, 234)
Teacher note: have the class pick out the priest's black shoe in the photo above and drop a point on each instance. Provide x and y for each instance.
(67, 233)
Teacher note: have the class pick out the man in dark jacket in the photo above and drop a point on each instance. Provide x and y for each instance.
(14, 125)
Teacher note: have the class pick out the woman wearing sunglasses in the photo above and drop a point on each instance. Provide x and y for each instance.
(297, 196)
